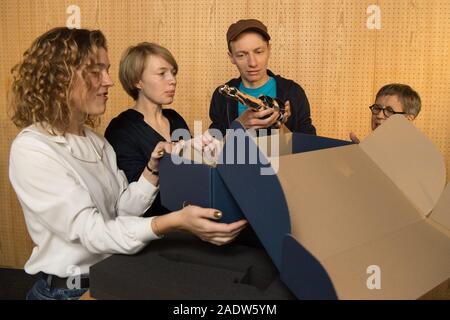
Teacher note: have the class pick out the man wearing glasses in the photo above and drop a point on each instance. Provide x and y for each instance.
(394, 98)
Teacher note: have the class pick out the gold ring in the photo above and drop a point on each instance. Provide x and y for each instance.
(217, 214)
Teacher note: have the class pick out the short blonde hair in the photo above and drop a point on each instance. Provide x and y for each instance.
(43, 80)
(132, 64)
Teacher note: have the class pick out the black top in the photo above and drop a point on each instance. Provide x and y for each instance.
(134, 140)
(224, 110)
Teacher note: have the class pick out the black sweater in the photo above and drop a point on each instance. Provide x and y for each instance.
(133, 141)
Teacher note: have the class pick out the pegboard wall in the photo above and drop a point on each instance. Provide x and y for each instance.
(340, 51)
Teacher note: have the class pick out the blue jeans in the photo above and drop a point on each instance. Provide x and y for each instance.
(42, 291)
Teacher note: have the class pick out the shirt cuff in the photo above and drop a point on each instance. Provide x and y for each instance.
(147, 187)
(144, 231)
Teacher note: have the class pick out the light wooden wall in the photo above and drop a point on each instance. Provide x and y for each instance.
(325, 45)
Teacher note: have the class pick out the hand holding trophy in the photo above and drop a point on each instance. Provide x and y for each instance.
(261, 103)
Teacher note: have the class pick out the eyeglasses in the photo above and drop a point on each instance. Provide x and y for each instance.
(388, 111)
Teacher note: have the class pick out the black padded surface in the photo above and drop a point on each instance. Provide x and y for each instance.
(15, 284)
(183, 267)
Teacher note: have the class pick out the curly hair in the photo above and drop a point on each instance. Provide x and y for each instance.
(43, 80)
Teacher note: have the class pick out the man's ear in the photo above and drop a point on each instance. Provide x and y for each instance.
(230, 56)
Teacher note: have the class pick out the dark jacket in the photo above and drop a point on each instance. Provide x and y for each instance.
(224, 110)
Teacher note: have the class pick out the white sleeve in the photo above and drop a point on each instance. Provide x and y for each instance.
(136, 197)
(51, 196)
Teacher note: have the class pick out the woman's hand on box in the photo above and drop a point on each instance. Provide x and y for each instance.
(204, 223)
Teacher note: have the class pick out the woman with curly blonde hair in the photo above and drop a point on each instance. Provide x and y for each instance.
(42, 81)
(78, 205)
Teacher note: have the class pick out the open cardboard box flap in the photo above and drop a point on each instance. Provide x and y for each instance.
(410, 160)
(257, 189)
(328, 217)
(441, 213)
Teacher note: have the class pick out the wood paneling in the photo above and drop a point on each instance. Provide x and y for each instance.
(324, 45)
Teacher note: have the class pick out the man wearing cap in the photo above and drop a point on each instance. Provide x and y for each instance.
(249, 51)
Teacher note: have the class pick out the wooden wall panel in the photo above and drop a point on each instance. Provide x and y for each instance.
(325, 45)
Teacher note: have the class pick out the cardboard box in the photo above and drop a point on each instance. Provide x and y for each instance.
(198, 182)
(367, 221)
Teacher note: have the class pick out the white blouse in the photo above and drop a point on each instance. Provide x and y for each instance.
(78, 205)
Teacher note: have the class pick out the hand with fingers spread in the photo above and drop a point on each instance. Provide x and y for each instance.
(202, 222)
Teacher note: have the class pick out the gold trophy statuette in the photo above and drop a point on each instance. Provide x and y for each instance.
(256, 104)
